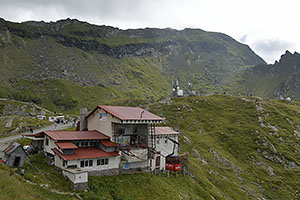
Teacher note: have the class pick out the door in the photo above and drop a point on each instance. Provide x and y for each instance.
(17, 161)
(157, 162)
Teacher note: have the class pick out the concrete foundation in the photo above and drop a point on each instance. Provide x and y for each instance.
(80, 186)
(134, 170)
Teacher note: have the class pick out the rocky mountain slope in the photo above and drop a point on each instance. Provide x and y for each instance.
(16, 117)
(66, 64)
(282, 79)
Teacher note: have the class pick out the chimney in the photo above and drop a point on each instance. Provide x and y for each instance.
(83, 121)
(142, 114)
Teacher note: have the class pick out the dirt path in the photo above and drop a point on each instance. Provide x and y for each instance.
(4, 142)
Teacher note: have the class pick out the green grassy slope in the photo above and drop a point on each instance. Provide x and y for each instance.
(46, 62)
(240, 148)
(14, 187)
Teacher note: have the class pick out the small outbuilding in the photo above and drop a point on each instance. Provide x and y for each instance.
(14, 155)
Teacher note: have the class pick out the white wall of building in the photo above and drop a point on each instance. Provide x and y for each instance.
(58, 162)
(113, 162)
(152, 162)
(102, 125)
(47, 148)
(81, 177)
(165, 147)
(78, 177)
(72, 162)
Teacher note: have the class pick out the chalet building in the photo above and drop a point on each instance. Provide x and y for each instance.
(132, 128)
(110, 140)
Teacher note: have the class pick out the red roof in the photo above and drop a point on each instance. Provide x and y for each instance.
(66, 145)
(76, 135)
(128, 113)
(34, 135)
(85, 153)
(165, 131)
(108, 143)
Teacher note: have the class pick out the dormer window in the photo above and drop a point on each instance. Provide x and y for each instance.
(103, 116)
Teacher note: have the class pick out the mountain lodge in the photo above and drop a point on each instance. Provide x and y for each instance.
(110, 140)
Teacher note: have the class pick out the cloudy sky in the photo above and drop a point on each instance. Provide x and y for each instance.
(269, 27)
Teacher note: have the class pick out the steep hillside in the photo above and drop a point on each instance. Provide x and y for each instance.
(14, 187)
(244, 148)
(67, 64)
(240, 148)
(282, 79)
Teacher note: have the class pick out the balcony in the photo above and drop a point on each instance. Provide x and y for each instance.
(133, 146)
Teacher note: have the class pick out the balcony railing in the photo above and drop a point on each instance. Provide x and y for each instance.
(133, 146)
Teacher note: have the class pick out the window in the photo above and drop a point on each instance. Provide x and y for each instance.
(103, 161)
(166, 140)
(86, 163)
(106, 161)
(121, 131)
(47, 141)
(86, 144)
(91, 143)
(103, 116)
(157, 140)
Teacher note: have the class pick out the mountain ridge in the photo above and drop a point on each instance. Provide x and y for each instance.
(278, 80)
(40, 58)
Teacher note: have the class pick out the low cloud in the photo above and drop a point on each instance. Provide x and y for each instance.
(271, 49)
(243, 39)
(271, 45)
(110, 12)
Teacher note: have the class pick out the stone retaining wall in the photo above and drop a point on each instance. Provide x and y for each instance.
(133, 170)
(80, 186)
(105, 172)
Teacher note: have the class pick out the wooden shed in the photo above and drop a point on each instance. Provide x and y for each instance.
(14, 155)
